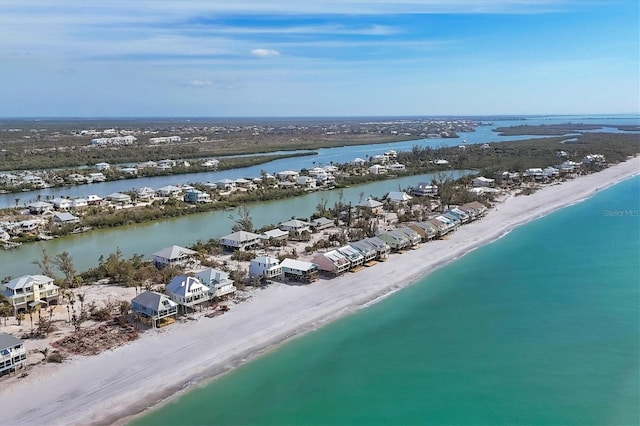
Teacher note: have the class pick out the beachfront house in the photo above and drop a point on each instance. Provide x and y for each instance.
(367, 251)
(414, 236)
(332, 262)
(440, 226)
(217, 281)
(12, 354)
(397, 241)
(356, 259)
(449, 224)
(187, 291)
(426, 230)
(464, 217)
(474, 209)
(29, 291)
(455, 218)
(240, 240)
(265, 267)
(155, 307)
(299, 270)
(381, 247)
(175, 256)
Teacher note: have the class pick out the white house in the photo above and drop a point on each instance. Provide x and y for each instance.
(287, 175)
(241, 240)
(217, 281)
(299, 270)
(306, 182)
(295, 225)
(174, 256)
(187, 291)
(102, 166)
(79, 203)
(423, 189)
(62, 203)
(97, 177)
(482, 181)
(13, 354)
(120, 198)
(398, 197)
(377, 169)
(145, 193)
(397, 167)
(169, 191)
(93, 200)
(265, 266)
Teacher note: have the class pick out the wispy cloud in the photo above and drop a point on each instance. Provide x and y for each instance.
(265, 53)
(200, 83)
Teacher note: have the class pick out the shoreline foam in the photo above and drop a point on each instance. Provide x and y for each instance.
(116, 386)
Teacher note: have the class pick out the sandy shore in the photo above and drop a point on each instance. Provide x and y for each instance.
(111, 387)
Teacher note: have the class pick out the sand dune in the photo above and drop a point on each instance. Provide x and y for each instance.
(113, 385)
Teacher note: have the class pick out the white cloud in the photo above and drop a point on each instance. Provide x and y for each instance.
(265, 53)
(200, 83)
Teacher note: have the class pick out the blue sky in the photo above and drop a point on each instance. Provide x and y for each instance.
(318, 58)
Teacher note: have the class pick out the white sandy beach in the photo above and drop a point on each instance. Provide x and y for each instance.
(109, 387)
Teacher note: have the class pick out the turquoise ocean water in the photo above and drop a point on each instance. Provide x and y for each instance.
(540, 328)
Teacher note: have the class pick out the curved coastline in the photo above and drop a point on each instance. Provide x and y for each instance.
(160, 366)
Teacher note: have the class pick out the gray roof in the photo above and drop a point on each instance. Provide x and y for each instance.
(151, 299)
(174, 252)
(8, 341)
(65, 217)
(241, 236)
(321, 221)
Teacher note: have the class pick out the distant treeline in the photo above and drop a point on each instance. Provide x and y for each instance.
(558, 129)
